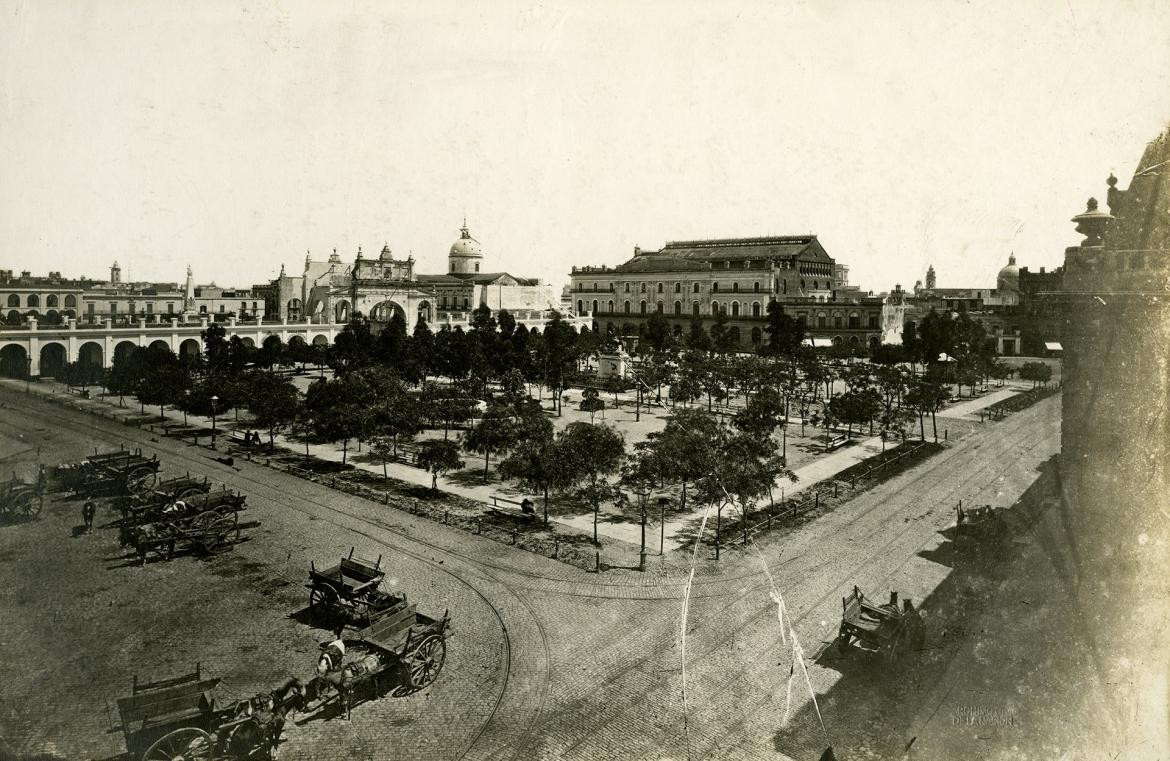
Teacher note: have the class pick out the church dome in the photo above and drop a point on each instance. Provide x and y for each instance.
(1009, 276)
(465, 253)
(466, 245)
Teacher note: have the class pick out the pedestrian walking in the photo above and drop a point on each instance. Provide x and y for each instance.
(87, 513)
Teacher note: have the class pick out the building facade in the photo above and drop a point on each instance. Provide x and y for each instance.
(380, 287)
(51, 300)
(1114, 459)
(735, 276)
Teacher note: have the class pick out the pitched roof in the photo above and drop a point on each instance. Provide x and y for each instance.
(745, 248)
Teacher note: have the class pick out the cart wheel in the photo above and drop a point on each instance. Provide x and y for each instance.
(186, 744)
(325, 604)
(219, 532)
(190, 491)
(423, 664)
(140, 480)
(30, 504)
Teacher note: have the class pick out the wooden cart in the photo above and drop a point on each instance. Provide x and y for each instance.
(887, 629)
(347, 594)
(400, 653)
(207, 523)
(113, 473)
(979, 527)
(179, 719)
(19, 499)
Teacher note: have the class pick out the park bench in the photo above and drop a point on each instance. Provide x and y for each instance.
(238, 438)
(836, 442)
(503, 507)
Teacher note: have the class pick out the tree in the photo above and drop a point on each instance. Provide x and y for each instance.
(761, 415)
(397, 418)
(161, 380)
(496, 432)
(438, 457)
(785, 333)
(384, 448)
(338, 409)
(926, 395)
(541, 465)
(685, 447)
(216, 349)
(595, 451)
(592, 403)
(723, 339)
(697, 337)
(658, 332)
(271, 350)
(272, 401)
(1037, 372)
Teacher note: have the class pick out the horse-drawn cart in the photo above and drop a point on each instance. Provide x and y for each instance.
(978, 527)
(347, 594)
(206, 522)
(20, 499)
(886, 629)
(121, 472)
(179, 720)
(400, 653)
(144, 507)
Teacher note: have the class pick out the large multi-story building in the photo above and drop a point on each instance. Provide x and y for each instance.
(54, 299)
(735, 276)
(333, 290)
(1114, 515)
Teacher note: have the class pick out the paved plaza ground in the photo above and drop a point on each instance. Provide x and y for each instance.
(546, 661)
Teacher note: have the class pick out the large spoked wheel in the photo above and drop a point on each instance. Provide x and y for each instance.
(423, 664)
(190, 491)
(29, 504)
(325, 604)
(221, 532)
(187, 744)
(141, 481)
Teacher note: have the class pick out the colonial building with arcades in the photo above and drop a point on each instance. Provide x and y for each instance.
(735, 276)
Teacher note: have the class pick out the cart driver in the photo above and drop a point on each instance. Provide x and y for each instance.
(332, 654)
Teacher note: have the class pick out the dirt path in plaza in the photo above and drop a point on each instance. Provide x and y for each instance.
(545, 661)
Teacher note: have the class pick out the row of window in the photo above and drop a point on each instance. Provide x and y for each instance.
(33, 300)
(734, 310)
(757, 334)
(695, 288)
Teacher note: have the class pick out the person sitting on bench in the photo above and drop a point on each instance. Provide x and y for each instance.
(527, 507)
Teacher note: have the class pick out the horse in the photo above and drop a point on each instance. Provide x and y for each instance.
(261, 720)
(343, 678)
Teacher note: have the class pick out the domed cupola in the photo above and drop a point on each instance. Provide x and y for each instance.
(465, 255)
(1009, 276)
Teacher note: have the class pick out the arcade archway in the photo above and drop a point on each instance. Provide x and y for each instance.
(13, 361)
(53, 359)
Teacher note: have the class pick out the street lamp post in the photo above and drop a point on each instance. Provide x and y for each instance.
(214, 399)
(718, 523)
(186, 404)
(27, 373)
(662, 503)
(642, 495)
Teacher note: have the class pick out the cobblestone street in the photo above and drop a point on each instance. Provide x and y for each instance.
(545, 661)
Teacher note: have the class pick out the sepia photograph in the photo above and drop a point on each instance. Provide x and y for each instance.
(514, 380)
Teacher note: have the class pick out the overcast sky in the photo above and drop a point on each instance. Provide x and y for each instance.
(236, 136)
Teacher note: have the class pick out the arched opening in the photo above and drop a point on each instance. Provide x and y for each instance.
(341, 311)
(123, 350)
(13, 361)
(836, 340)
(14, 318)
(52, 317)
(33, 300)
(595, 306)
(294, 309)
(91, 354)
(735, 309)
(320, 340)
(627, 307)
(874, 342)
(13, 300)
(51, 300)
(755, 309)
(695, 308)
(384, 312)
(611, 306)
(853, 341)
(251, 344)
(696, 290)
(70, 302)
(68, 313)
(158, 343)
(735, 287)
(424, 310)
(714, 307)
(189, 348)
(678, 307)
(52, 360)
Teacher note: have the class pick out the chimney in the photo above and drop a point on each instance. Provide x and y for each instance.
(1041, 270)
